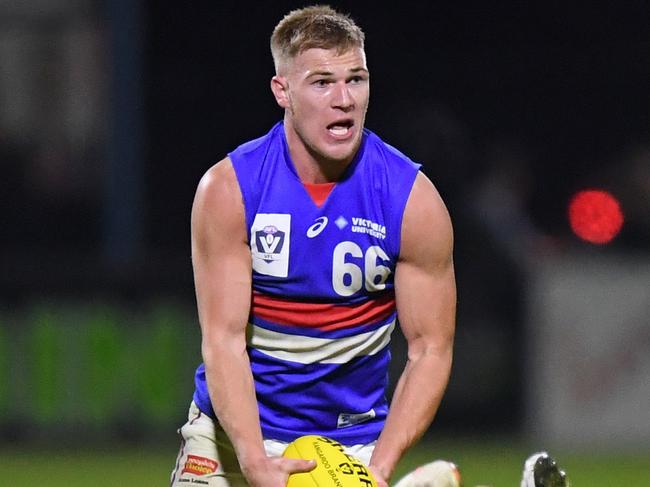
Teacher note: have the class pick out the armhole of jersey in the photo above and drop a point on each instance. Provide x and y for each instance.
(244, 190)
(398, 213)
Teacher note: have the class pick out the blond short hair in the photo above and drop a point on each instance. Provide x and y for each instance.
(318, 26)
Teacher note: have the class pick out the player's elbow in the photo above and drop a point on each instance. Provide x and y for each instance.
(222, 346)
(435, 354)
(428, 343)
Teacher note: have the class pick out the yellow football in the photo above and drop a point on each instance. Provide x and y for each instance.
(334, 467)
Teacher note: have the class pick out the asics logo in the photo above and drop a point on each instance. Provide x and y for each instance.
(317, 227)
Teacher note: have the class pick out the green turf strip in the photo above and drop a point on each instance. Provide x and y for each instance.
(497, 464)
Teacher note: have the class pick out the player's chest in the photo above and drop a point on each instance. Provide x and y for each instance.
(346, 241)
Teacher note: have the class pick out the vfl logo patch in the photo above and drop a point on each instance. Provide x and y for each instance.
(199, 465)
(318, 226)
(270, 239)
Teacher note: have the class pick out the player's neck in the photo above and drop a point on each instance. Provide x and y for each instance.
(313, 172)
(312, 168)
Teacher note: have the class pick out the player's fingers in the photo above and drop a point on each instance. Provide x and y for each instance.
(297, 465)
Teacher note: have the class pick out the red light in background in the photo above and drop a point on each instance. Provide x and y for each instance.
(595, 216)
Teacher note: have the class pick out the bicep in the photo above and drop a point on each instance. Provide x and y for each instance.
(425, 285)
(221, 257)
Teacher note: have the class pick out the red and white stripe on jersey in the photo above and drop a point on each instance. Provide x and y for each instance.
(309, 350)
(323, 316)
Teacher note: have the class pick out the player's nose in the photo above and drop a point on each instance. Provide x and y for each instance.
(342, 98)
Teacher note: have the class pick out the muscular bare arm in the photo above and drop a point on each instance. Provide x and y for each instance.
(425, 291)
(221, 260)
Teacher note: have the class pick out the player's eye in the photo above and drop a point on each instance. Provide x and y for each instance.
(357, 79)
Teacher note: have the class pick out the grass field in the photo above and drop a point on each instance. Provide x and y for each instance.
(481, 463)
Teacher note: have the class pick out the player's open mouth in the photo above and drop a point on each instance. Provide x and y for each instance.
(341, 129)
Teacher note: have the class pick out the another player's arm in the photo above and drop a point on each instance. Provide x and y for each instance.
(425, 291)
(222, 265)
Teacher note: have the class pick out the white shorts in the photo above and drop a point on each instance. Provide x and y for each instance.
(207, 456)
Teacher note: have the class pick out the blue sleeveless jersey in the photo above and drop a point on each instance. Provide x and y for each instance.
(323, 306)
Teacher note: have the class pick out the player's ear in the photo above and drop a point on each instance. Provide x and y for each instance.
(279, 88)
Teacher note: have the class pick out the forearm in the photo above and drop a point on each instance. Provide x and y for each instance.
(232, 392)
(415, 402)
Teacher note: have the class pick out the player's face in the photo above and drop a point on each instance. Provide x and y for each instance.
(326, 98)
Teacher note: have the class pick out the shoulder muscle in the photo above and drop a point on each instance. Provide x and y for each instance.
(427, 235)
(218, 209)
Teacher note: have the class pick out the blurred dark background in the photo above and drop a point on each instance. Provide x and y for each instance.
(111, 111)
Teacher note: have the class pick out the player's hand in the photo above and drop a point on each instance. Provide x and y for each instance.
(275, 471)
(379, 476)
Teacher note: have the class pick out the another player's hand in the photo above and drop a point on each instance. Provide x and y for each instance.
(275, 471)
